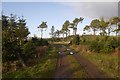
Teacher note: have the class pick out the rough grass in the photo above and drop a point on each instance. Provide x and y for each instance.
(76, 68)
(64, 43)
(44, 68)
(106, 62)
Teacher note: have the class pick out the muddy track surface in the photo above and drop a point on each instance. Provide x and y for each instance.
(63, 63)
(62, 70)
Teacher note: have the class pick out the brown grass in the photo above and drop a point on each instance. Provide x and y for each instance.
(81, 48)
(41, 50)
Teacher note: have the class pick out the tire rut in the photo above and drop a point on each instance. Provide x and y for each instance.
(62, 70)
(92, 70)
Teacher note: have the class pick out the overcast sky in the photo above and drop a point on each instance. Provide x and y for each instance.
(95, 9)
(55, 13)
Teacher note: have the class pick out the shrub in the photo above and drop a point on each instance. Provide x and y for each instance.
(40, 42)
(76, 40)
(44, 42)
(29, 49)
(10, 50)
(96, 46)
(113, 43)
(104, 46)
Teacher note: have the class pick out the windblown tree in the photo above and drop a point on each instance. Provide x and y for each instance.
(57, 33)
(68, 32)
(103, 27)
(87, 27)
(75, 23)
(118, 29)
(72, 27)
(62, 32)
(95, 24)
(109, 28)
(42, 26)
(52, 32)
(115, 21)
(65, 27)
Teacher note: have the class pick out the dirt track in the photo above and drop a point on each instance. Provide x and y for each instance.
(62, 70)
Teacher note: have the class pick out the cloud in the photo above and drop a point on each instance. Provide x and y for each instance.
(94, 9)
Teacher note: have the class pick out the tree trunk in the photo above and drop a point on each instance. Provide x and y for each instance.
(41, 32)
(21, 60)
(100, 32)
(108, 32)
(63, 36)
(69, 33)
(66, 35)
(75, 32)
(116, 33)
(116, 29)
(94, 32)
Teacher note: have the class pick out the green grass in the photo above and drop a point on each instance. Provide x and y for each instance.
(76, 68)
(44, 68)
(105, 62)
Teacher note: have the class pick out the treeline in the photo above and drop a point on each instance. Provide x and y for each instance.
(65, 30)
(17, 50)
(103, 42)
(100, 26)
(104, 27)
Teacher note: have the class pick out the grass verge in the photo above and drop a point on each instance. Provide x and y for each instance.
(105, 62)
(76, 68)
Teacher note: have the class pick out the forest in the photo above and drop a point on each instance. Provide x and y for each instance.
(39, 57)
